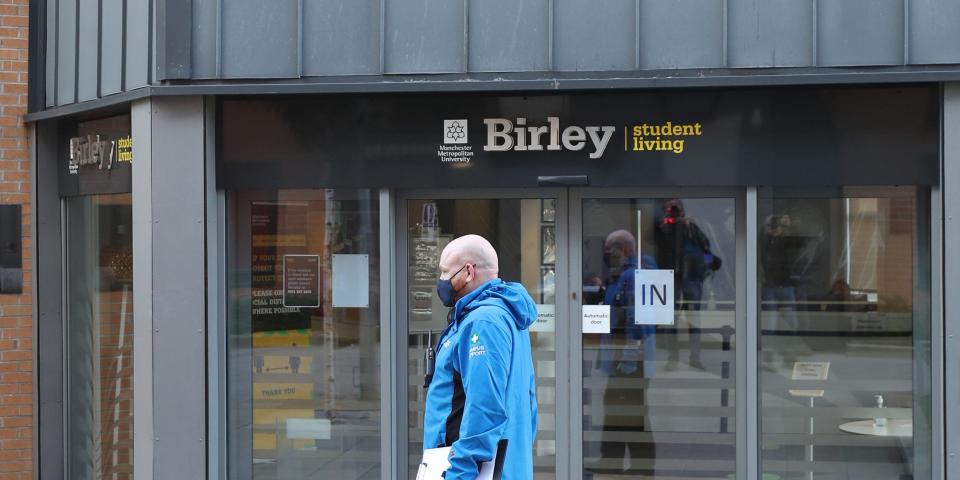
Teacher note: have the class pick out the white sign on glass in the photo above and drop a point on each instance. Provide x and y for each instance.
(546, 318)
(351, 281)
(596, 319)
(653, 297)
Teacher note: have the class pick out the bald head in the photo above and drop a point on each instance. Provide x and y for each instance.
(468, 261)
(623, 240)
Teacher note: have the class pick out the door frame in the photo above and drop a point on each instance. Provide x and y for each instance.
(743, 374)
(569, 365)
(563, 425)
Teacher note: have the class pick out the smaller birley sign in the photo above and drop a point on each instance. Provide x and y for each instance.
(93, 150)
(653, 297)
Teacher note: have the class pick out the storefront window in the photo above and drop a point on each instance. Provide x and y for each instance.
(304, 335)
(99, 343)
(845, 336)
(524, 233)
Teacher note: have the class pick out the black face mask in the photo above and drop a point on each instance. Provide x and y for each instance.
(445, 289)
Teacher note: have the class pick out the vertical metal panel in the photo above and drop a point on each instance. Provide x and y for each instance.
(860, 32)
(143, 420)
(341, 37)
(88, 69)
(111, 47)
(66, 52)
(424, 36)
(509, 35)
(260, 38)
(936, 339)
(47, 298)
(179, 288)
(138, 43)
(391, 341)
(934, 31)
(592, 36)
(770, 33)
(216, 221)
(748, 376)
(204, 43)
(951, 274)
(174, 32)
(50, 98)
(681, 34)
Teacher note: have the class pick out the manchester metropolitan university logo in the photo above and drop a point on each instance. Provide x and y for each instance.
(454, 132)
(455, 147)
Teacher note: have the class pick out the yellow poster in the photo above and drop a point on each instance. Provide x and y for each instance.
(282, 338)
(282, 391)
(282, 364)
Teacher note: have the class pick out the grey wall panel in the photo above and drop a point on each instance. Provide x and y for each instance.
(111, 49)
(204, 42)
(341, 37)
(509, 35)
(66, 52)
(51, 54)
(89, 66)
(138, 43)
(681, 34)
(769, 33)
(859, 32)
(179, 288)
(424, 36)
(934, 35)
(260, 39)
(595, 36)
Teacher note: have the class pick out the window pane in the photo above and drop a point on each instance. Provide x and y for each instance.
(844, 337)
(523, 233)
(99, 337)
(304, 335)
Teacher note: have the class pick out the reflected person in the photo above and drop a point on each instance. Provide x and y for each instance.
(627, 353)
(683, 247)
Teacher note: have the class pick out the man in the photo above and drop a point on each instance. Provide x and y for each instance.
(482, 390)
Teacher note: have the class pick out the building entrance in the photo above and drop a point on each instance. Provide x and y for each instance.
(637, 295)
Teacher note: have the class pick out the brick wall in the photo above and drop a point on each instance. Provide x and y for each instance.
(16, 324)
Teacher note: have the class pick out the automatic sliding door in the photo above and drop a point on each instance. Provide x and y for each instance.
(524, 232)
(658, 388)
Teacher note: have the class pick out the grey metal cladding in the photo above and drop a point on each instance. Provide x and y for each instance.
(89, 64)
(111, 46)
(203, 49)
(424, 36)
(770, 33)
(51, 54)
(260, 39)
(595, 35)
(934, 35)
(860, 32)
(509, 35)
(681, 34)
(174, 34)
(341, 37)
(66, 52)
(138, 44)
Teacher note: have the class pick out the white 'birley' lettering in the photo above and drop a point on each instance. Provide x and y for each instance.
(504, 135)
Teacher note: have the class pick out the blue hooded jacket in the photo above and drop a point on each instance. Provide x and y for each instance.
(483, 384)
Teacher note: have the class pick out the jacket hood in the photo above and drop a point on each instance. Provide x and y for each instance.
(509, 296)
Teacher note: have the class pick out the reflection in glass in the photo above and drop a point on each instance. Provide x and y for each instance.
(99, 340)
(513, 226)
(843, 337)
(659, 399)
(304, 382)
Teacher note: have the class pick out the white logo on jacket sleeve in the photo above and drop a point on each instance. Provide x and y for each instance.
(476, 348)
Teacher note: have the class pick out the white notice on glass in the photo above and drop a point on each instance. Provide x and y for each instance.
(351, 281)
(596, 319)
(309, 428)
(546, 318)
(436, 461)
(653, 297)
(810, 370)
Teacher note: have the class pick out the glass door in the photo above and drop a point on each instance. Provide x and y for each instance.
(657, 307)
(525, 230)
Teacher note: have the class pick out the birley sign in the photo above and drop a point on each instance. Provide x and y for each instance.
(517, 135)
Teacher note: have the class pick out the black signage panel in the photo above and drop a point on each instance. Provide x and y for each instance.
(96, 157)
(777, 137)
